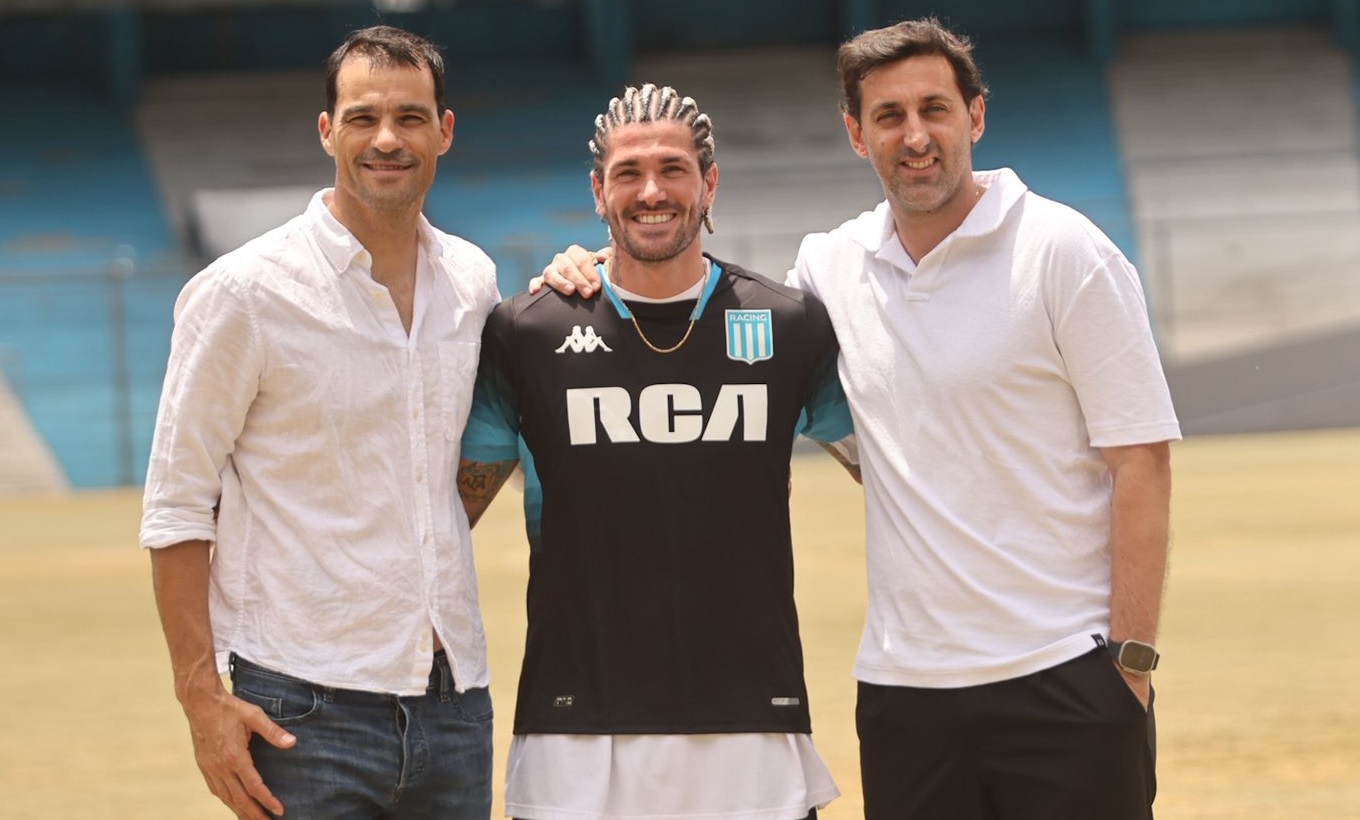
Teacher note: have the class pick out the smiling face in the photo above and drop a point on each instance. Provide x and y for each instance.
(650, 191)
(386, 136)
(918, 133)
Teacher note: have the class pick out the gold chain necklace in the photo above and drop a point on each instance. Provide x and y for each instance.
(643, 336)
(655, 349)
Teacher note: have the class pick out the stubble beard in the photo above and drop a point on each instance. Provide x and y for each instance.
(684, 237)
(391, 198)
(925, 197)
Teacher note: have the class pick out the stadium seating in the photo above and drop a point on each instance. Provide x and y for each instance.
(82, 235)
(1241, 153)
(1224, 164)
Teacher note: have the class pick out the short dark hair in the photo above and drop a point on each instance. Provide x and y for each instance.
(925, 36)
(387, 46)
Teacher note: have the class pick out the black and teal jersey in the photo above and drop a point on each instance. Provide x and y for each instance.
(660, 595)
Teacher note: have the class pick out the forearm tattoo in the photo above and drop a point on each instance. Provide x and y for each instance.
(478, 483)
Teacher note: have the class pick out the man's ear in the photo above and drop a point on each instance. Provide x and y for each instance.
(597, 188)
(324, 130)
(445, 131)
(856, 135)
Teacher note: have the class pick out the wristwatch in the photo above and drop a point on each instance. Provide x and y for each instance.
(1134, 656)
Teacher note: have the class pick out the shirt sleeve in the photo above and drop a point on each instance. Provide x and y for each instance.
(211, 379)
(492, 431)
(1106, 344)
(799, 275)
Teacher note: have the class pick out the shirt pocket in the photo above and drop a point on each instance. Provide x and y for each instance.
(457, 375)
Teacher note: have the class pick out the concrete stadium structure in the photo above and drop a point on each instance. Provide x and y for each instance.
(1215, 142)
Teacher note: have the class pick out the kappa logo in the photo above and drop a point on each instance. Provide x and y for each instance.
(583, 342)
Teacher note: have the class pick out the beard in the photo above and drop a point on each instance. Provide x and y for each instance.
(654, 250)
(920, 196)
(398, 196)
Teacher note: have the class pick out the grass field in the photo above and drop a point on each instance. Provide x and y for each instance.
(1258, 706)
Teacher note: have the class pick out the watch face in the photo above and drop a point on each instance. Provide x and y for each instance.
(1138, 657)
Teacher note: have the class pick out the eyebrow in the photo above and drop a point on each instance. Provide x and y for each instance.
(891, 104)
(404, 108)
(668, 159)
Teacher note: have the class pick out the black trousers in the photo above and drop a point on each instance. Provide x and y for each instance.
(1068, 743)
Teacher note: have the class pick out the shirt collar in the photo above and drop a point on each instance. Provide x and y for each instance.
(341, 248)
(711, 276)
(876, 232)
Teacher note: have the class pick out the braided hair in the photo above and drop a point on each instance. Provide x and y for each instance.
(650, 104)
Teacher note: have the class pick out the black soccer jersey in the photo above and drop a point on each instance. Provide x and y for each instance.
(660, 595)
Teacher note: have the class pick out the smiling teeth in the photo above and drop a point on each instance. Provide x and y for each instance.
(919, 166)
(653, 219)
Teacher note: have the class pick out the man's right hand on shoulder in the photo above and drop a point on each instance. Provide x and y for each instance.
(221, 725)
(572, 271)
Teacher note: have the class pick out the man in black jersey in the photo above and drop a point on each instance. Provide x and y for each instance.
(663, 672)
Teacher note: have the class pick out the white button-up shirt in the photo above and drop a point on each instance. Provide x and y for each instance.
(331, 437)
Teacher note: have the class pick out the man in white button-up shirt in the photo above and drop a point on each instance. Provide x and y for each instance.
(304, 527)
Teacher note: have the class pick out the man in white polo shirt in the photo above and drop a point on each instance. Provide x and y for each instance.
(1014, 427)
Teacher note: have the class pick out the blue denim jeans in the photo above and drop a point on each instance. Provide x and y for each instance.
(369, 755)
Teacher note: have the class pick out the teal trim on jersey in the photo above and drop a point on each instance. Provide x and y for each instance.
(826, 418)
(709, 286)
(533, 498)
(492, 436)
(492, 430)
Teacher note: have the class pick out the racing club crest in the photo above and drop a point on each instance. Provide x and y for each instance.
(750, 335)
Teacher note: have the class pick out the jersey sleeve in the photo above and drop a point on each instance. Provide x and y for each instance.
(492, 432)
(826, 411)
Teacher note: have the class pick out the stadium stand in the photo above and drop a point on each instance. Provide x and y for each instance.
(233, 154)
(1223, 161)
(1244, 170)
(26, 464)
(82, 235)
(1244, 173)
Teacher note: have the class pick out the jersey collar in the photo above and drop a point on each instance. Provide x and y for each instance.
(710, 285)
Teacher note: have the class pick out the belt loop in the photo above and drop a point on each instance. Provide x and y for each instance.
(328, 694)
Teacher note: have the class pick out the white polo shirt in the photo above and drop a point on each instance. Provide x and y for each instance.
(294, 395)
(982, 381)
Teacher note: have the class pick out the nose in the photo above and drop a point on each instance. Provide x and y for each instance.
(386, 139)
(914, 136)
(651, 192)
